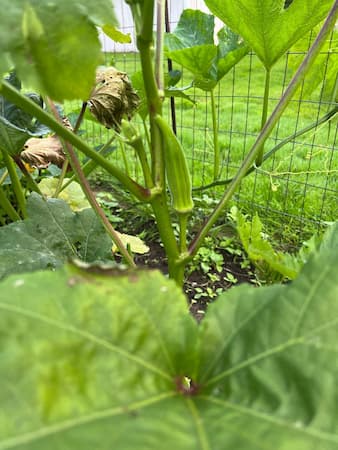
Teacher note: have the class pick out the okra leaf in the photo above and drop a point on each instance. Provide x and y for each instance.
(12, 138)
(267, 360)
(231, 49)
(16, 126)
(268, 26)
(179, 93)
(98, 359)
(55, 46)
(194, 28)
(192, 46)
(52, 234)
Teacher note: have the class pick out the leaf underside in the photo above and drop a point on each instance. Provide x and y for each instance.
(192, 46)
(99, 360)
(55, 46)
(267, 26)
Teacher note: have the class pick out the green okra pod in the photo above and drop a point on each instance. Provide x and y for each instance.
(177, 170)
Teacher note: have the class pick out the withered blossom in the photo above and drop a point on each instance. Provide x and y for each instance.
(113, 98)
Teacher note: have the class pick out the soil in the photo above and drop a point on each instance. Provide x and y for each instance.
(200, 288)
(198, 281)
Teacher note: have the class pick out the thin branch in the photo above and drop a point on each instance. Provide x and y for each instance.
(90, 195)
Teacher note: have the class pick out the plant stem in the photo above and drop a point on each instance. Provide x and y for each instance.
(65, 164)
(30, 180)
(80, 117)
(64, 169)
(124, 157)
(90, 165)
(160, 208)
(259, 158)
(137, 145)
(215, 135)
(183, 221)
(285, 141)
(16, 184)
(154, 102)
(170, 68)
(3, 176)
(91, 197)
(29, 106)
(269, 125)
(159, 45)
(8, 207)
(146, 132)
(154, 108)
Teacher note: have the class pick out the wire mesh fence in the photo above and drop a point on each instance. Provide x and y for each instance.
(296, 187)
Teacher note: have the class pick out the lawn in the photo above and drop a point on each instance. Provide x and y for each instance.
(296, 189)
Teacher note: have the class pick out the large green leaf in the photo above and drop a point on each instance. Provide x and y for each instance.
(274, 367)
(55, 46)
(100, 360)
(52, 234)
(100, 348)
(16, 126)
(12, 138)
(266, 26)
(192, 46)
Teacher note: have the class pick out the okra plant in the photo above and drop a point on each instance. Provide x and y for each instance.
(46, 55)
(101, 357)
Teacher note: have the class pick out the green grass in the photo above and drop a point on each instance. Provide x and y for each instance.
(296, 189)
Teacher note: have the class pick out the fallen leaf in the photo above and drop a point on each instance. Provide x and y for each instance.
(135, 243)
(72, 194)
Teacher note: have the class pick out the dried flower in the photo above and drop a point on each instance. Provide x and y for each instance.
(112, 98)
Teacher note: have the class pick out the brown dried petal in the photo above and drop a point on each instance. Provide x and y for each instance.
(112, 98)
(40, 153)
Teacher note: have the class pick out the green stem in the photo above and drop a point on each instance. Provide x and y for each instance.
(154, 108)
(3, 177)
(137, 145)
(183, 221)
(124, 157)
(90, 165)
(30, 180)
(66, 163)
(7, 207)
(16, 184)
(62, 176)
(267, 155)
(91, 197)
(80, 117)
(154, 102)
(159, 45)
(146, 132)
(161, 211)
(269, 125)
(259, 158)
(215, 135)
(29, 106)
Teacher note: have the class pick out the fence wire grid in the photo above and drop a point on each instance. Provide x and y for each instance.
(296, 188)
